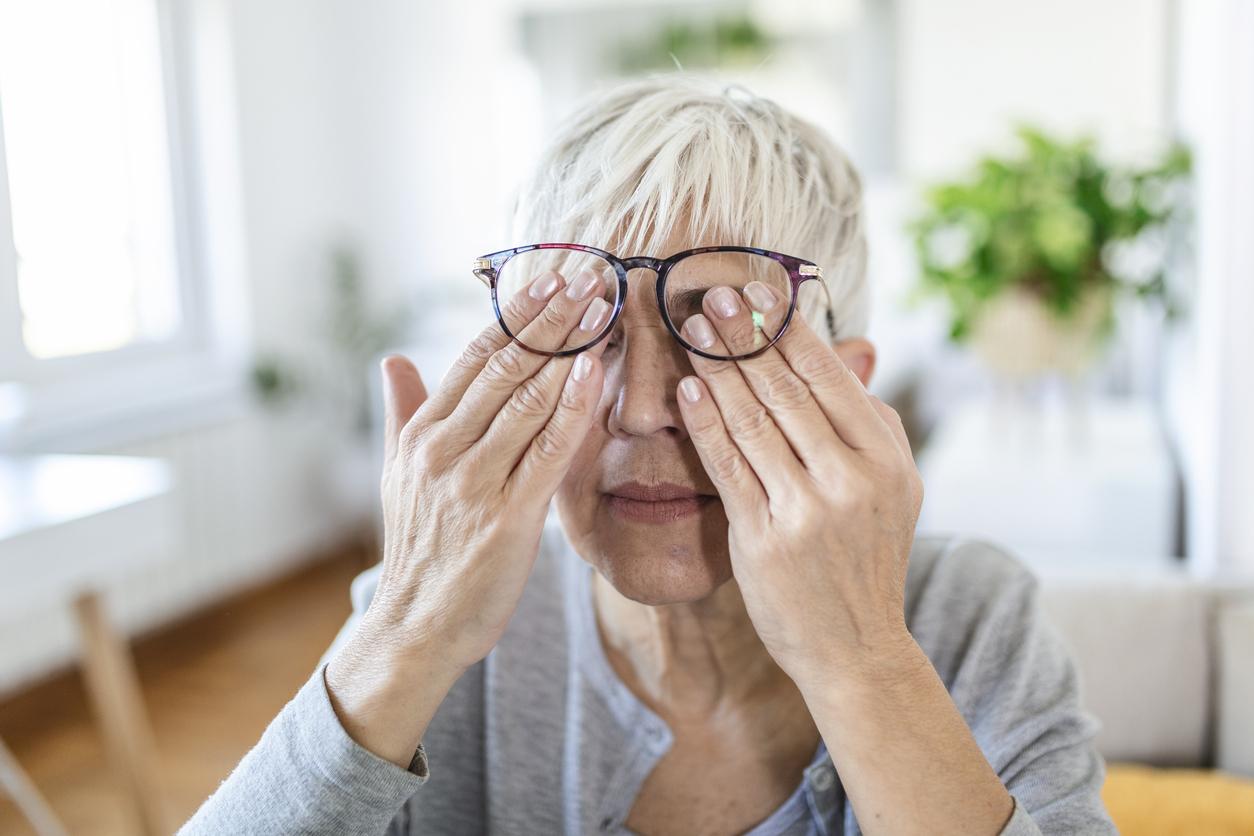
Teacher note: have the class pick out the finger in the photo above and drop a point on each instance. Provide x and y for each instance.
(838, 391)
(549, 453)
(748, 422)
(533, 403)
(771, 379)
(403, 394)
(525, 305)
(734, 479)
(571, 318)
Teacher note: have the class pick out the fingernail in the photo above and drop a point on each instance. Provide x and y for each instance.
(760, 296)
(543, 287)
(594, 317)
(583, 367)
(582, 286)
(724, 302)
(699, 331)
(690, 389)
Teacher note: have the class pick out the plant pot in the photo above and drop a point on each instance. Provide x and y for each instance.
(1020, 338)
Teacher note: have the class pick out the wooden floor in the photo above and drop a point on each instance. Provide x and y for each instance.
(211, 684)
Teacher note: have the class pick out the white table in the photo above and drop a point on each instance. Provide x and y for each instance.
(67, 523)
(1096, 480)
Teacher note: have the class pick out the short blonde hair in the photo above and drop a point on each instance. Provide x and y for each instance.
(647, 158)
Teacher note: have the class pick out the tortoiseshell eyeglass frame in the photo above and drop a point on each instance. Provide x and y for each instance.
(488, 268)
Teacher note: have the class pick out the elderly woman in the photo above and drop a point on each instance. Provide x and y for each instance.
(734, 627)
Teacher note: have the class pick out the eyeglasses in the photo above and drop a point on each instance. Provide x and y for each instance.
(682, 282)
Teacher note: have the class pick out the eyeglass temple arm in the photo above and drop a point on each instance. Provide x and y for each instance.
(482, 269)
(817, 272)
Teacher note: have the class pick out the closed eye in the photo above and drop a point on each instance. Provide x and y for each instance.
(685, 303)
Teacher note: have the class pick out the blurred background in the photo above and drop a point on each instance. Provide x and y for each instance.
(216, 216)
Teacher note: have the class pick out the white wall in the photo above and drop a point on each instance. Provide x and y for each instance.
(1211, 391)
(969, 68)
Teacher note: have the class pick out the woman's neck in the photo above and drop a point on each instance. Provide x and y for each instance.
(688, 660)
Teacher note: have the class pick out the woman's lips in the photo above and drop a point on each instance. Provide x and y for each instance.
(659, 503)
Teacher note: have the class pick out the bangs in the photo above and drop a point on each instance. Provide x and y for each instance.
(674, 158)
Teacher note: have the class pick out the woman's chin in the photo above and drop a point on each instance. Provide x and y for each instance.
(656, 563)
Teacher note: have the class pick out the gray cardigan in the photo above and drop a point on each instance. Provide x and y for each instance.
(542, 737)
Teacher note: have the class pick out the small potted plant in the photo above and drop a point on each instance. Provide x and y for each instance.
(335, 385)
(1031, 251)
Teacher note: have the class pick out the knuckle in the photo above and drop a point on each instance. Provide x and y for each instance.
(553, 317)
(821, 365)
(551, 445)
(482, 347)
(425, 458)
(749, 419)
(572, 401)
(737, 336)
(706, 425)
(517, 309)
(507, 363)
(530, 398)
(714, 368)
(856, 488)
(726, 466)
(783, 388)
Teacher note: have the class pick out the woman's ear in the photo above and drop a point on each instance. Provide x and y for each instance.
(859, 356)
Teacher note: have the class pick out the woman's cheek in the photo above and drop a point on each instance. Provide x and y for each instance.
(579, 488)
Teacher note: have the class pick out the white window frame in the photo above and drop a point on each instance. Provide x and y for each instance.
(127, 393)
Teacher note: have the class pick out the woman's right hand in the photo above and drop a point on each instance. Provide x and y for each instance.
(468, 475)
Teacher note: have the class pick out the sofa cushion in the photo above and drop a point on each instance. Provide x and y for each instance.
(1141, 640)
(1234, 722)
(1145, 802)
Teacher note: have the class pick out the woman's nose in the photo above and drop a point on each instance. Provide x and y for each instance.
(643, 390)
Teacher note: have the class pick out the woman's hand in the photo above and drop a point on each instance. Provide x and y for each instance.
(822, 495)
(818, 483)
(467, 478)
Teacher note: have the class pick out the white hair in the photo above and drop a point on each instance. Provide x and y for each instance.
(681, 153)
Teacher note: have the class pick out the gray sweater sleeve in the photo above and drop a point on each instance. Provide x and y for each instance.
(306, 775)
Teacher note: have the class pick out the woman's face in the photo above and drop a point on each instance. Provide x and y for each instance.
(637, 503)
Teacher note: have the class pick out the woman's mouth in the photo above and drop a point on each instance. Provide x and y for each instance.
(662, 502)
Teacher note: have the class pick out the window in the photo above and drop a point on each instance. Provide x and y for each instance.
(86, 141)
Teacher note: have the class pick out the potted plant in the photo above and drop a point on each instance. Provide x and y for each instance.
(1031, 251)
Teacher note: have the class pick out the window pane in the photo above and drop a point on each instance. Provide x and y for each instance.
(86, 150)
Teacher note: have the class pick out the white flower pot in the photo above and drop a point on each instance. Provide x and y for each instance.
(1019, 338)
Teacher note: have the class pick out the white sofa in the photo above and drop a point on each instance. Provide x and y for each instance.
(1166, 661)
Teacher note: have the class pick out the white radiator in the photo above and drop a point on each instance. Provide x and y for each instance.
(254, 497)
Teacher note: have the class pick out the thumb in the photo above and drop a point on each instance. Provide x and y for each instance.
(403, 393)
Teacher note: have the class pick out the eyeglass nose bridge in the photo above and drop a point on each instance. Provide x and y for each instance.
(642, 262)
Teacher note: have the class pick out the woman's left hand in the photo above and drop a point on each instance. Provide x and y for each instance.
(818, 483)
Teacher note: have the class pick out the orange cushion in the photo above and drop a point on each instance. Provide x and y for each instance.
(1145, 801)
